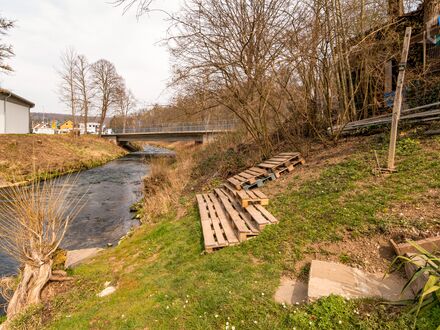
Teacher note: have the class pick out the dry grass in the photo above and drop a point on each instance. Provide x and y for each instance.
(166, 182)
(27, 157)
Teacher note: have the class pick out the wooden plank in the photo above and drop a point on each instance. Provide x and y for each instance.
(227, 227)
(246, 175)
(241, 178)
(257, 217)
(221, 241)
(253, 229)
(251, 195)
(284, 158)
(254, 173)
(208, 236)
(267, 165)
(267, 214)
(431, 244)
(293, 154)
(243, 214)
(235, 183)
(258, 170)
(259, 194)
(237, 221)
(398, 100)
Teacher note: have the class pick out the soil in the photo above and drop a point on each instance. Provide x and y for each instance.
(371, 254)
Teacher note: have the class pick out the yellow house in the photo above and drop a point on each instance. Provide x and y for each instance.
(68, 125)
(54, 124)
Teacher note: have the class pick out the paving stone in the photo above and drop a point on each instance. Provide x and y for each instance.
(291, 292)
(328, 278)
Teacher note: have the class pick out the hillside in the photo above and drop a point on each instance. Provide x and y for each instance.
(334, 208)
(50, 155)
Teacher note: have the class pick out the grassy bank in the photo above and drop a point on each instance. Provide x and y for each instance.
(25, 157)
(165, 281)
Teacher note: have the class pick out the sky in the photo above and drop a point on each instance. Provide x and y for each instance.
(96, 28)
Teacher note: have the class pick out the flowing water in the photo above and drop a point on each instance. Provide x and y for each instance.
(110, 191)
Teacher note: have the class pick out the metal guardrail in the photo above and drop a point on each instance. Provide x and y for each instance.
(177, 128)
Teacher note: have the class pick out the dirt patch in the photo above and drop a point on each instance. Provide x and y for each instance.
(372, 254)
(53, 289)
(414, 220)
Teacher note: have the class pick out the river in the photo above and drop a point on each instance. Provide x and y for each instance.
(110, 191)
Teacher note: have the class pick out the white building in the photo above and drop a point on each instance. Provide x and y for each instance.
(14, 113)
(92, 128)
(44, 128)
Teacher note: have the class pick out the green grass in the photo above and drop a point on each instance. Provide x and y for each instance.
(166, 282)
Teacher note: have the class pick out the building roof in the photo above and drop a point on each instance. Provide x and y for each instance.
(17, 98)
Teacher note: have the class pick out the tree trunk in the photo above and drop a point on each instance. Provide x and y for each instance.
(28, 292)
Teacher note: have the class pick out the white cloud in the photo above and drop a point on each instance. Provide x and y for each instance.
(44, 28)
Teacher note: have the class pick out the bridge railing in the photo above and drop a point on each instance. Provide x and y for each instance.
(181, 127)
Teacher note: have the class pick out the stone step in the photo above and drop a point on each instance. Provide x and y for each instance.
(327, 278)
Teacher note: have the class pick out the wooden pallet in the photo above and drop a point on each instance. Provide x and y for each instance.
(249, 177)
(217, 230)
(256, 216)
(246, 197)
(283, 162)
(238, 214)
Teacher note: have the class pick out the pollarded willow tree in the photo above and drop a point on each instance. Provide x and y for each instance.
(33, 222)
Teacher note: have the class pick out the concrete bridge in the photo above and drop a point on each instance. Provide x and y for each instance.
(199, 133)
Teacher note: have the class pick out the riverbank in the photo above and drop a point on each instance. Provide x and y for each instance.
(29, 157)
(163, 279)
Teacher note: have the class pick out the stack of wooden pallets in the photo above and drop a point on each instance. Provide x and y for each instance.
(235, 212)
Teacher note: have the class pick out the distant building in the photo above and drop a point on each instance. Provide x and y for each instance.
(66, 127)
(44, 128)
(14, 113)
(92, 128)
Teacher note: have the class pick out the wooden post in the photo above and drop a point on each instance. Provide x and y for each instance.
(424, 51)
(388, 85)
(398, 100)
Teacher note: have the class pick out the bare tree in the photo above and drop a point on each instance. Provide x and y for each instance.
(239, 47)
(83, 85)
(125, 104)
(68, 92)
(32, 226)
(105, 81)
(6, 50)
(143, 6)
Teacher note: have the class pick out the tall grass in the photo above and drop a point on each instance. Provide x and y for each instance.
(165, 184)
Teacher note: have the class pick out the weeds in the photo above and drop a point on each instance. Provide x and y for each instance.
(164, 184)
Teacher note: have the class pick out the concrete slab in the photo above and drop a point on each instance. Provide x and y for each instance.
(76, 257)
(328, 278)
(291, 292)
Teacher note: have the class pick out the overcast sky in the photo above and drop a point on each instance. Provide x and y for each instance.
(95, 28)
